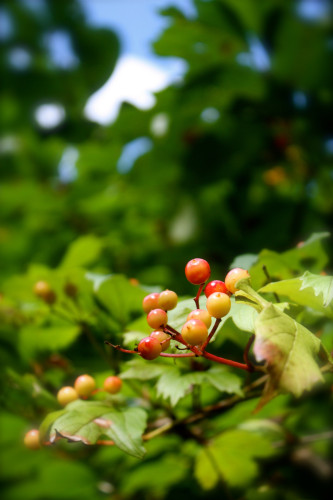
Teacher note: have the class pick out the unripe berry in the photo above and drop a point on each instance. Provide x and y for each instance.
(163, 338)
(31, 439)
(112, 384)
(201, 314)
(67, 395)
(233, 276)
(157, 318)
(150, 302)
(167, 300)
(215, 286)
(194, 332)
(197, 271)
(43, 290)
(70, 290)
(218, 304)
(149, 348)
(84, 385)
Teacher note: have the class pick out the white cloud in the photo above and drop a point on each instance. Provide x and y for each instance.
(133, 80)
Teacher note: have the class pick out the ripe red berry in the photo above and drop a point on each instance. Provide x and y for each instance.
(150, 302)
(149, 348)
(215, 286)
(43, 290)
(67, 395)
(162, 337)
(233, 276)
(112, 384)
(84, 385)
(31, 439)
(194, 332)
(157, 318)
(167, 300)
(197, 271)
(218, 304)
(201, 314)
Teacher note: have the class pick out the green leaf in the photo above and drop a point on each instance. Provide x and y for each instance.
(82, 252)
(309, 290)
(233, 454)
(36, 339)
(141, 370)
(121, 298)
(223, 380)
(289, 351)
(87, 421)
(178, 316)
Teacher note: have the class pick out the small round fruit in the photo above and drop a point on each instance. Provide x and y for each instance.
(215, 286)
(43, 290)
(67, 395)
(197, 271)
(167, 300)
(149, 348)
(218, 304)
(150, 302)
(157, 318)
(194, 332)
(112, 384)
(84, 385)
(233, 276)
(162, 337)
(31, 439)
(201, 314)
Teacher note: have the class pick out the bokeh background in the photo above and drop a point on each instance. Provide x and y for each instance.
(162, 131)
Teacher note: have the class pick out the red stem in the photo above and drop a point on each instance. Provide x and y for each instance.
(246, 353)
(196, 300)
(217, 322)
(181, 355)
(224, 361)
(119, 348)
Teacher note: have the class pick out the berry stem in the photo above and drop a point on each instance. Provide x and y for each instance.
(119, 348)
(216, 324)
(196, 299)
(181, 355)
(224, 361)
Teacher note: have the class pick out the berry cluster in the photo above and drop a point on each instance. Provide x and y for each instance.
(84, 387)
(195, 334)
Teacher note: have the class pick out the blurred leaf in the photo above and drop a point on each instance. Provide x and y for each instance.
(232, 452)
(82, 252)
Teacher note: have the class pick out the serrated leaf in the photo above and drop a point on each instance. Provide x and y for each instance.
(223, 380)
(82, 252)
(244, 316)
(87, 421)
(232, 452)
(309, 290)
(289, 351)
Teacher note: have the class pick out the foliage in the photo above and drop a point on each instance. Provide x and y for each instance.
(240, 165)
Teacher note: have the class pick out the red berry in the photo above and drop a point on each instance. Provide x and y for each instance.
(67, 395)
(233, 276)
(215, 286)
(84, 385)
(112, 384)
(157, 318)
(150, 302)
(31, 439)
(218, 304)
(201, 314)
(167, 300)
(162, 337)
(149, 348)
(197, 271)
(194, 332)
